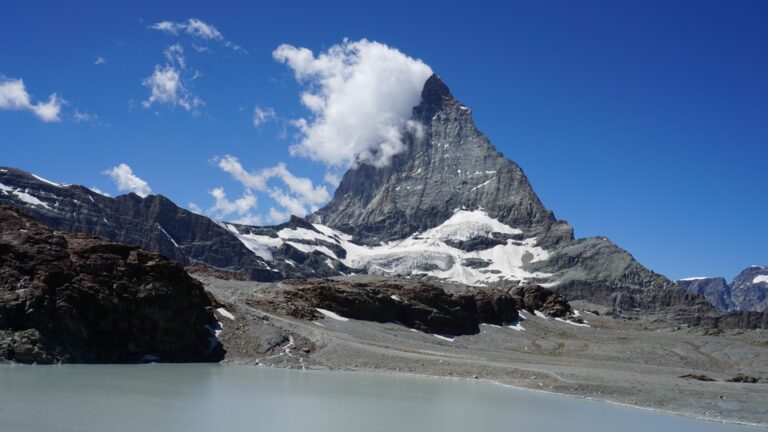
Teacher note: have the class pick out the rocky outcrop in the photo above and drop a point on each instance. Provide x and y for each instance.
(79, 299)
(537, 298)
(445, 310)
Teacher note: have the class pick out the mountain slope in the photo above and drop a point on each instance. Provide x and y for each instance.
(153, 223)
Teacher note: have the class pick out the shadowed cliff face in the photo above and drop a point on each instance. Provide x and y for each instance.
(448, 165)
(73, 298)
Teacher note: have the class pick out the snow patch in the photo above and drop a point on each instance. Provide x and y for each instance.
(395, 298)
(483, 184)
(23, 196)
(445, 338)
(540, 314)
(760, 279)
(225, 313)
(332, 315)
(572, 323)
(168, 235)
(262, 246)
(45, 181)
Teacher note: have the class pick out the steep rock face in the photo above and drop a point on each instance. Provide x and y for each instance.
(749, 289)
(79, 299)
(153, 223)
(448, 165)
(714, 289)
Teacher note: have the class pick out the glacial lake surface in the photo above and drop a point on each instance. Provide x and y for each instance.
(193, 397)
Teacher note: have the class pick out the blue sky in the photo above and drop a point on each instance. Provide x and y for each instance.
(646, 123)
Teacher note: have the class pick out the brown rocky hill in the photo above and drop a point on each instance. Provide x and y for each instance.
(80, 299)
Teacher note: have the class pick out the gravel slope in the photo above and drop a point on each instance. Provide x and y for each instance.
(620, 361)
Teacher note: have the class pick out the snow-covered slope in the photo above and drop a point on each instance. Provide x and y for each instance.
(470, 247)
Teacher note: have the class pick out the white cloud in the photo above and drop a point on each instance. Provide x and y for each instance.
(275, 216)
(196, 28)
(127, 181)
(192, 26)
(194, 208)
(360, 95)
(83, 117)
(14, 96)
(167, 84)
(262, 115)
(249, 219)
(224, 207)
(332, 179)
(99, 61)
(299, 194)
(99, 191)
(174, 54)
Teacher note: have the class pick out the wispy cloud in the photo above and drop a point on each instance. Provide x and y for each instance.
(297, 195)
(84, 117)
(14, 96)
(168, 84)
(195, 28)
(99, 61)
(127, 181)
(225, 207)
(262, 115)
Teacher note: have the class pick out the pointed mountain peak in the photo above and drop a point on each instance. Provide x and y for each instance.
(435, 96)
(435, 89)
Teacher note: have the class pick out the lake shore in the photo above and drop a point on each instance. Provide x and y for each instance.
(627, 363)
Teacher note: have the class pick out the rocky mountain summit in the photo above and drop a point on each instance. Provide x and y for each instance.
(78, 299)
(747, 292)
(448, 165)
